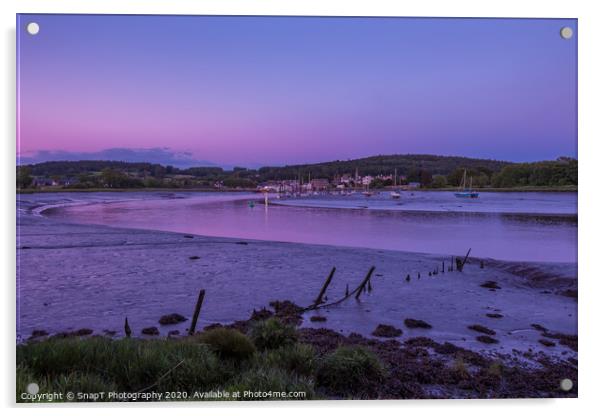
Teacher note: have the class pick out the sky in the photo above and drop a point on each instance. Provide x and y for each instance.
(253, 91)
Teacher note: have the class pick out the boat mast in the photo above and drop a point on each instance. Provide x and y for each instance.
(463, 184)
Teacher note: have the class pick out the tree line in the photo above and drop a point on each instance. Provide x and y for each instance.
(429, 170)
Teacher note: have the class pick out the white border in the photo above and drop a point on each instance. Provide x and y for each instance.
(590, 134)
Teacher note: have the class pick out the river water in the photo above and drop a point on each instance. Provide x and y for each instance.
(525, 226)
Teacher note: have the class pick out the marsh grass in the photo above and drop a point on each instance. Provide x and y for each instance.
(127, 364)
(220, 359)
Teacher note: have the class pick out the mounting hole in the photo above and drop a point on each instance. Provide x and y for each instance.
(566, 32)
(566, 384)
(33, 388)
(33, 28)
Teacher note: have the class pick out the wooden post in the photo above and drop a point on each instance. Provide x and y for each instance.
(324, 287)
(466, 257)
(363, 284)
(197, 310)
(443, 266)
(452, 264)
(460, 263)
(347, 290)
(126, 327)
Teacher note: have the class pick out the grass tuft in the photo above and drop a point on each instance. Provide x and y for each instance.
(299, 359)
(272, 334)
(352, 371)
(228, 343)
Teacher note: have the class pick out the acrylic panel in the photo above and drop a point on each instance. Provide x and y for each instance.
(254, 207)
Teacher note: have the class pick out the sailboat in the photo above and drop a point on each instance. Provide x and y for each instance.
(464, 191)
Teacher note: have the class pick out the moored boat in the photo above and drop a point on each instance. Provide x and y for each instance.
(466, 191)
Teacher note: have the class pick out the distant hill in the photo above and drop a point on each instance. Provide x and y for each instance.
(374, 165)
(386, 164)
(67, 168)
(157, 155)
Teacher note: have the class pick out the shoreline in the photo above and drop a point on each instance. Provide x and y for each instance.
(551, 215)
(158, 276)
(562, 189)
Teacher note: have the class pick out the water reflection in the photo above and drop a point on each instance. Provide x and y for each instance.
(532, 237)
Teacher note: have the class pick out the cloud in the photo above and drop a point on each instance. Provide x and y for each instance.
(162, 155)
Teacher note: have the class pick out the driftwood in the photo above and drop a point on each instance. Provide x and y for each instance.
(357, 292)
(197, 310)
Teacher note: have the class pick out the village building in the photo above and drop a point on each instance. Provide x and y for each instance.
(320, 184)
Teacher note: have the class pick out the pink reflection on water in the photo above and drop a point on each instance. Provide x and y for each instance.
(499, 236)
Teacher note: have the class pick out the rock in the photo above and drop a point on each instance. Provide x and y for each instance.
(482, 329)
(174, 333)
(417, 323)
(318, 318)
(387, 331)
(36, 333)
(571, 293)
(490, 284)
(547, 342)
(212, 326)
(447, 348)
(261, 314)
(194, 257)
(421, 342)
(172, 319)
(567, 340)
(151, 330)
(494, 315)
(188, 236)
(82, 332)
(540, 327)
(109, 332)
(487, 339)
(288, 312)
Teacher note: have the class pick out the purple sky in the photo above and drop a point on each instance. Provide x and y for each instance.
(273, 90)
